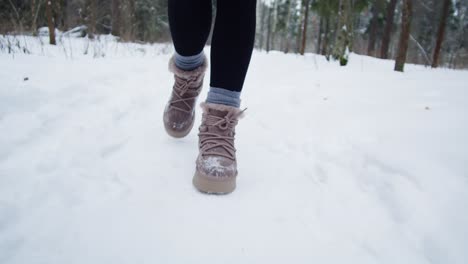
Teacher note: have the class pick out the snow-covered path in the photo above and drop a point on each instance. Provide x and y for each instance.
(337, 165)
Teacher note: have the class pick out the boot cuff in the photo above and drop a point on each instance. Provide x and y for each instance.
(195, 73)
(219, 107)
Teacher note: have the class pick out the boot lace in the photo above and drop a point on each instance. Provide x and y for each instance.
(181, 87)
(209, 141)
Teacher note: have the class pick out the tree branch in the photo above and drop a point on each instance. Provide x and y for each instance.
(428, 60)
(17, 15)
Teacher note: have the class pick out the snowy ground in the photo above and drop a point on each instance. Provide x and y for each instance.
(337, 165)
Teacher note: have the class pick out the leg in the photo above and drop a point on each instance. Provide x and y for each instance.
(190, 24)
(231, 50)
(233, 39)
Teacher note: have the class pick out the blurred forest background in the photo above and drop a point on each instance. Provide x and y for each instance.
(428, 32)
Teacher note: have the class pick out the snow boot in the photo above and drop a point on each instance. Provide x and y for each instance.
(216, 166)
(179, 113)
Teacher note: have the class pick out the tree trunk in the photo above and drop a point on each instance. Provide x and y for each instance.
(35, 15)
(343, 37)
(373, 32)
(299, 30)
(404, 36)
(304, 27)
(326, 37)
(269, 30)
(274, 23)
(92, 18)
(262, 25)
(33, 18)
(287, 26)
(115, 18)
(388, 29)
(58, 15)
(18, 27)
(441, 33)
(50, 22)
(65, 14)
(128, 15)
(319, 41)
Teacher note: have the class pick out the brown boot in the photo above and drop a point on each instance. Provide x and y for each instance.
(179, 112)
(216, 167)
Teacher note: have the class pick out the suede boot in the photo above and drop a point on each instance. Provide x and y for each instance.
(179, 113)
(216, 165)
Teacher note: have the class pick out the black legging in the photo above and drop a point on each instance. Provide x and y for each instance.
(233, 36)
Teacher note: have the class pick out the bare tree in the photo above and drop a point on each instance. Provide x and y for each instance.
(18, 17)
(115, 9)
(50, 22)
(93, 9)
(268, 40)
(404, 36)
(128, 20)
(374, 23)
(33, 16)
(262, 24)
(287, 31)
(441, 33)
(388, 29)
(320, 34)
(326, 37)
(344, 35)
(304, 25)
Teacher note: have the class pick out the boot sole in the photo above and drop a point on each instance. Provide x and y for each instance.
(205, 185)
(180, 134)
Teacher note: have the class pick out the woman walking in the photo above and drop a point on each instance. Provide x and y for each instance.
(231, 50)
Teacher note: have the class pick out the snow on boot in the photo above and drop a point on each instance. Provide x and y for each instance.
(216, 167)
(180, 112)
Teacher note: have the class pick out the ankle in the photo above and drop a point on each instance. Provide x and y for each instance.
(188, 63)
(223, 97)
